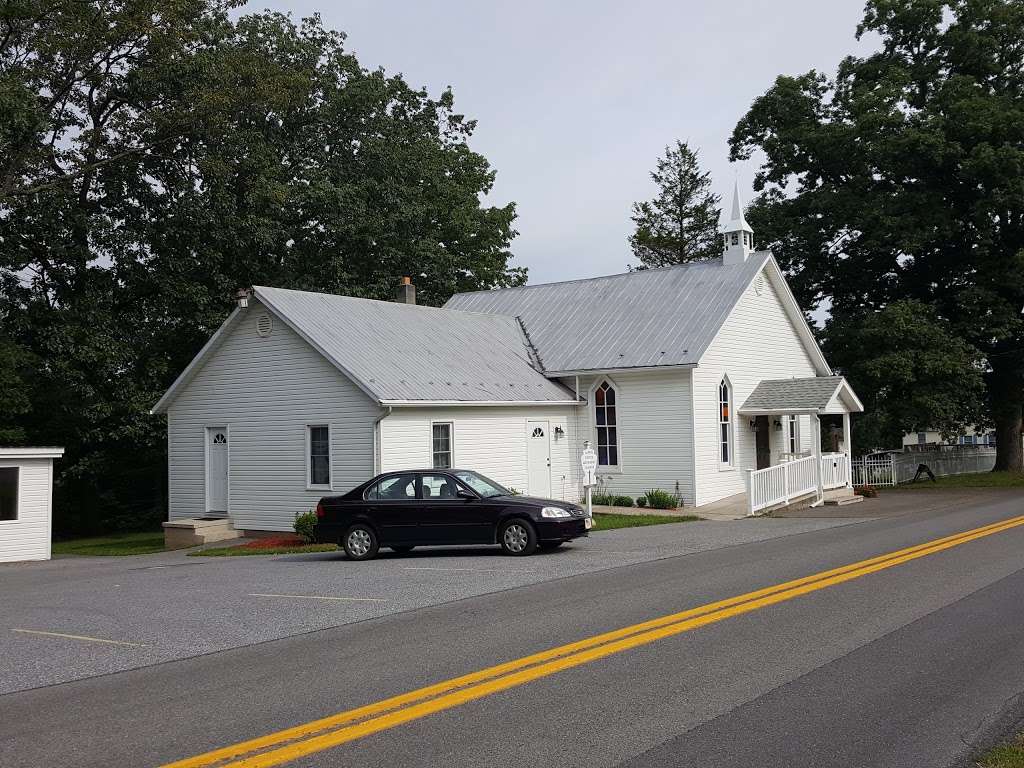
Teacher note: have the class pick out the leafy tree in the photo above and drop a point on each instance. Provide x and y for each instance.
(189, 155)
(911, 370)
(902, 177)
(681, 223)
(14, 399)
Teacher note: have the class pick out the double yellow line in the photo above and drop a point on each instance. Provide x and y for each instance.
(317, 735)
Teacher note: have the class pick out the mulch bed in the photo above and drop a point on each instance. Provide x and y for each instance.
(273, 542)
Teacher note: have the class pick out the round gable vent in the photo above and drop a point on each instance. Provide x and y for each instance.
(264, 325)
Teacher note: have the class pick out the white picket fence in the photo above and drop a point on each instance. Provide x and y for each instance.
(790, 480)
(874, 470)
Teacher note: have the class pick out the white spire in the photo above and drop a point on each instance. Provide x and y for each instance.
(737, 235)
(738, 222)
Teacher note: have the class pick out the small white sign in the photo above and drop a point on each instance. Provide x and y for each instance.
(588, 461)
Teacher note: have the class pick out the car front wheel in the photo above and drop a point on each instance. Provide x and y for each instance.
(360, 542)
(517, 537)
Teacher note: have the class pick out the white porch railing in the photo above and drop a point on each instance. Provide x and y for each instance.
(790, 480)
(781, 483)
(835, 470)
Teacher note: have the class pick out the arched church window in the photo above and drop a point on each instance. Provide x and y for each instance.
(606, 422)
(725, 422)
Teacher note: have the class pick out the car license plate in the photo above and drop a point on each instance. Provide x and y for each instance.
(589, 523)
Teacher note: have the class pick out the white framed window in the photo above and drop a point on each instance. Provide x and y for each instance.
(441, 444)
(725, 442)
(922, 438)
(793, 435)
(9, 493)
(606, 424)
(318, 456)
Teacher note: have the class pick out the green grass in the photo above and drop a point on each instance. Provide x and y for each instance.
(973, 480)
(1005, 756)
(606, 521)
(144, 543)
(239, 551)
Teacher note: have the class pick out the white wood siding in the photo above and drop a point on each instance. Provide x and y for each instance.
(655, 423)
(266, 390)
(489, 439)
(757, 342)
(28, 537)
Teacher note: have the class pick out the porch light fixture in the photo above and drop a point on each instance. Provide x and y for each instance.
(559, 432)
(753, 425)
(778, 425)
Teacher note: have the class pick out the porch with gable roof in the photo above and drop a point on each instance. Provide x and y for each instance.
(796, 476)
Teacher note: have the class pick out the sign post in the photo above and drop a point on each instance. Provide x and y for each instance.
(588, 462)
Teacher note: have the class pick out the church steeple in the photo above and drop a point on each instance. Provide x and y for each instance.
(737, 236)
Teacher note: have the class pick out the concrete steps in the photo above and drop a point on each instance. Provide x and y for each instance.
(841, 497)
(191, 532)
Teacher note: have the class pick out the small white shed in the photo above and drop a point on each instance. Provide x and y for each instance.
(26, 502)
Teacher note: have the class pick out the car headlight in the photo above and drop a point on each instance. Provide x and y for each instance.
(555, 512)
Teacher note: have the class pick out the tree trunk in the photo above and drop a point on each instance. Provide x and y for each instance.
(1009, 455)
(1006, 392)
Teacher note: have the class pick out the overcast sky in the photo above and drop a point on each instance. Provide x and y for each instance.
(575, 101)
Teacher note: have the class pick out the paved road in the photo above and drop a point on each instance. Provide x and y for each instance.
(170, 606)
(911, 665)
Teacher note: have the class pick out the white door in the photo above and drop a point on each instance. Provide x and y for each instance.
(217, 469)
(538, 458)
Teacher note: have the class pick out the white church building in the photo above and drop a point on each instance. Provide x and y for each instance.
(701, 379)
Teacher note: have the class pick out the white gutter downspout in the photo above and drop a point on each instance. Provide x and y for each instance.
(377, 458)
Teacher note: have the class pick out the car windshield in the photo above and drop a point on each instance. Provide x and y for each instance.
(482, 485)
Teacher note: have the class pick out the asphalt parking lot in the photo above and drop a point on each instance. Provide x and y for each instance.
(72, 618)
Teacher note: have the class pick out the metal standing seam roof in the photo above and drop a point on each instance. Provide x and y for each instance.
(401, 352)
(811, 394)
(654, 317)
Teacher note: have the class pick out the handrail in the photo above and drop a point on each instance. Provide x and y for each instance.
(781, 483)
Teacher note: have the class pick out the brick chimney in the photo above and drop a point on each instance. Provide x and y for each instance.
(406, 292)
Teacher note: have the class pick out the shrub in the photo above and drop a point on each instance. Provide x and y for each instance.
(305, 526)
(604, 499)
(622, 501)
(867, 491)
(641, 501)
(659, 499)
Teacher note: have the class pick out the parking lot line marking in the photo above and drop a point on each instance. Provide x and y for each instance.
(322, 597)
(315, 736)
(79, 637)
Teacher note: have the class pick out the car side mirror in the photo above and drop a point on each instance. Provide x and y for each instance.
(462, 493)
